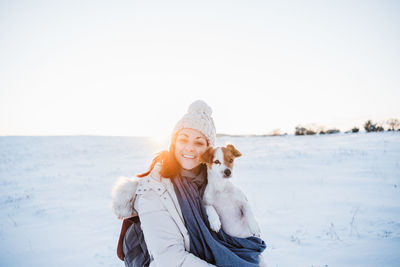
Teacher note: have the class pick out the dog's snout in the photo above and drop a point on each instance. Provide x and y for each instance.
(227, 172)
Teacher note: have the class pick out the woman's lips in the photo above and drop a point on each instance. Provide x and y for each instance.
(188, 156)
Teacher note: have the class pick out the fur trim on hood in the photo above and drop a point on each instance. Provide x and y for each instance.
(124, 193)
(123, 196)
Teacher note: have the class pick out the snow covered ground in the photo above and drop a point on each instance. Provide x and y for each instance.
(320, 200)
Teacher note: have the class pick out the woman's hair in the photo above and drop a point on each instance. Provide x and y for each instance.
(170, 167)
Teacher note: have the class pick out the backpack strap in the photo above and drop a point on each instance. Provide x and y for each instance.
(126, 223)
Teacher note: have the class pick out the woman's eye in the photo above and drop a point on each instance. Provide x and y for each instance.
(200, 144)
(182, 140)
(217, 162)
(231, 160)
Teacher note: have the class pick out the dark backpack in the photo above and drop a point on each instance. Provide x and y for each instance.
(132, 248)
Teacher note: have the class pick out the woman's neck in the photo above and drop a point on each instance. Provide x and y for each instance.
(194, 172)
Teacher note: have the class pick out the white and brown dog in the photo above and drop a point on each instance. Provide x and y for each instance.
(226, 205)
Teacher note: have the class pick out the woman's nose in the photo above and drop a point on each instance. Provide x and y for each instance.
(189, 147)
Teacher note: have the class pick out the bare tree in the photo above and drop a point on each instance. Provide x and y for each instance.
(393, 124)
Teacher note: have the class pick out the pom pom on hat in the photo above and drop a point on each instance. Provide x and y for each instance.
(199, 118)
(199, 106)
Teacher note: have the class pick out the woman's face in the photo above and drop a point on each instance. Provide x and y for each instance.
(190, 145)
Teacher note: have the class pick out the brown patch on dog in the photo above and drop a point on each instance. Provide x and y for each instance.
(230, 153)
(208, 157)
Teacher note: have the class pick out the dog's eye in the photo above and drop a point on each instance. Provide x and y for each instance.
(231, 160)
(217, 162)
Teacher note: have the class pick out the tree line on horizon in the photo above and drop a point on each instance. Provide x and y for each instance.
(369, 126)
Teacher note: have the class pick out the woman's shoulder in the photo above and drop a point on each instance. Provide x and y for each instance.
(153, 183)
(149, 192)
(155, 179)
(126, 190)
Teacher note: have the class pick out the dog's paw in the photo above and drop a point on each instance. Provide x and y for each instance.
(213, 218)
(215, 224)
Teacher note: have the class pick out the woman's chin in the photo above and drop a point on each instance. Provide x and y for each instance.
(189, 165)
(189, 168)
(186, 163)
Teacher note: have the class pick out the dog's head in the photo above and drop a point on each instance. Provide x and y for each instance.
(221, 159)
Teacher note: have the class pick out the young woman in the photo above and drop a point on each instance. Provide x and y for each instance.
(168, 202)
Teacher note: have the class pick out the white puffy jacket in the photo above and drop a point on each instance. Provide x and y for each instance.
(166, 236)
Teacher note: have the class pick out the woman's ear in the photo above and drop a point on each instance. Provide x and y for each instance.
(207, 156)
(236, 153)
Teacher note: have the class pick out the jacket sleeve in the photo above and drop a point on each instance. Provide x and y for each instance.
(163, 239)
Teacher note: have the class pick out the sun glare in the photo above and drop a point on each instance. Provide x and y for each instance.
(159, 140)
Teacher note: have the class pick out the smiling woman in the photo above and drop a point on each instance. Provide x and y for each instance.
(192, 134)
(168, 201)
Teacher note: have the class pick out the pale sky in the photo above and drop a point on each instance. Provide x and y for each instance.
(133, 67)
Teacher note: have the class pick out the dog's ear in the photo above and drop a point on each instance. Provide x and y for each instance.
(236, 153)
(207, 156)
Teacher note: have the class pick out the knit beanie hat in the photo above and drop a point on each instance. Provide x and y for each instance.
(199, 118)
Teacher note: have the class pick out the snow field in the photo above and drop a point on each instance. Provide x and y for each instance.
(330, 200)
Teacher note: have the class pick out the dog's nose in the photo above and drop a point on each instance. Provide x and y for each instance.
(227, 172)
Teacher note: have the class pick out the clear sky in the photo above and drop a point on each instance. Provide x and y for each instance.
(133, 67)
